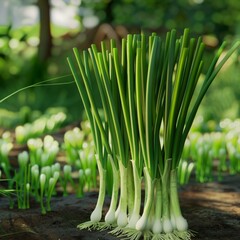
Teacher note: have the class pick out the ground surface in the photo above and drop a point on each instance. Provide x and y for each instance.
(212, 210)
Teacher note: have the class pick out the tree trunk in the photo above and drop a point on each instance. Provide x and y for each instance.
(45, 44)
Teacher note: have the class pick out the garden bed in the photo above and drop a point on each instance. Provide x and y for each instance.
(212, 210)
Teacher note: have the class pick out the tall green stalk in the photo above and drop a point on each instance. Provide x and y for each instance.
(146, 93)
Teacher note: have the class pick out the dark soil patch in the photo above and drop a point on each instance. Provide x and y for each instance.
(212, 210)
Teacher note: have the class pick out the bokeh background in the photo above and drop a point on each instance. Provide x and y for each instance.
(36, 36)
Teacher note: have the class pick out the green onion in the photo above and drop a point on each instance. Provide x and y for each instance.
(140, 106)
(52, 183)
(22, 181)
(80, 191)
(67, 170)
(5, 148)
(42, 191)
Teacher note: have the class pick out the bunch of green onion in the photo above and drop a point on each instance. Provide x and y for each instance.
(79, 148)
(32, 180)
(43, 152)
(43, 125)
(207, 151)
(232, 138)
(140, 105)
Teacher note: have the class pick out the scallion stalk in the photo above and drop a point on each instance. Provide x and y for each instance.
(146, 94)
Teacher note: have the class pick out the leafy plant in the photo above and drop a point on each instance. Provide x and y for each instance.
(185, 169)
(144, 90)
(45, 124)
(78, 145)
(214, 153)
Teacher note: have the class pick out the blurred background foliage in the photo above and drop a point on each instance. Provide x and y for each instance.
(37, 35)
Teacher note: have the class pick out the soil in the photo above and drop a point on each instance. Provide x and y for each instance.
(212, 210)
